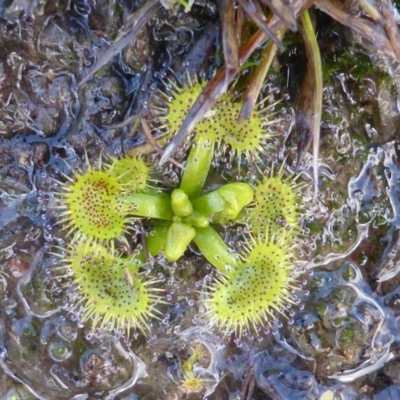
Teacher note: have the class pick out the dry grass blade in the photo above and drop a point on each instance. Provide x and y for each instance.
(255, 85)
(384, 18)
(284, 10)
(218, 84)
(369, 30)
(127, 121)
(135, 23)
(240, 20)
(248, 384)
(391, 26)
(370, 9)
(230, 41)
(149, 137)
(308, 116)
(255, 12)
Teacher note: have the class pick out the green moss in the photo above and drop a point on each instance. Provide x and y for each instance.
(349, 273)
(321, 308)
(352, 61)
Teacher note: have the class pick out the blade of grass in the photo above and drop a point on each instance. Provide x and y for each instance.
(370, 9)
(391, 27)
(230, 42)
(257, 80)
(255, 12)
(152, 141)
(308, 118)
(369, 30)
(284, 10)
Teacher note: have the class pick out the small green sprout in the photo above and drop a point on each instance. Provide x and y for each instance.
(192, 383)
(169, 3)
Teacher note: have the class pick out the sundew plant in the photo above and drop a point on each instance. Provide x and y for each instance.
(99, 205)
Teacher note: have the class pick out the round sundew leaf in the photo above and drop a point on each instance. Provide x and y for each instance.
(92, 206)
(111, 289)
(180, 105)
(132, 173)
(247, 137)
(254, 291)
(220, 125)
(276, 205)
(192, 384)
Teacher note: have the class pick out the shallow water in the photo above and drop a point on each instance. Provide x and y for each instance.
(342, 337)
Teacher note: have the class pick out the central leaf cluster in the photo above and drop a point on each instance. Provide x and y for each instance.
(188, 218)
